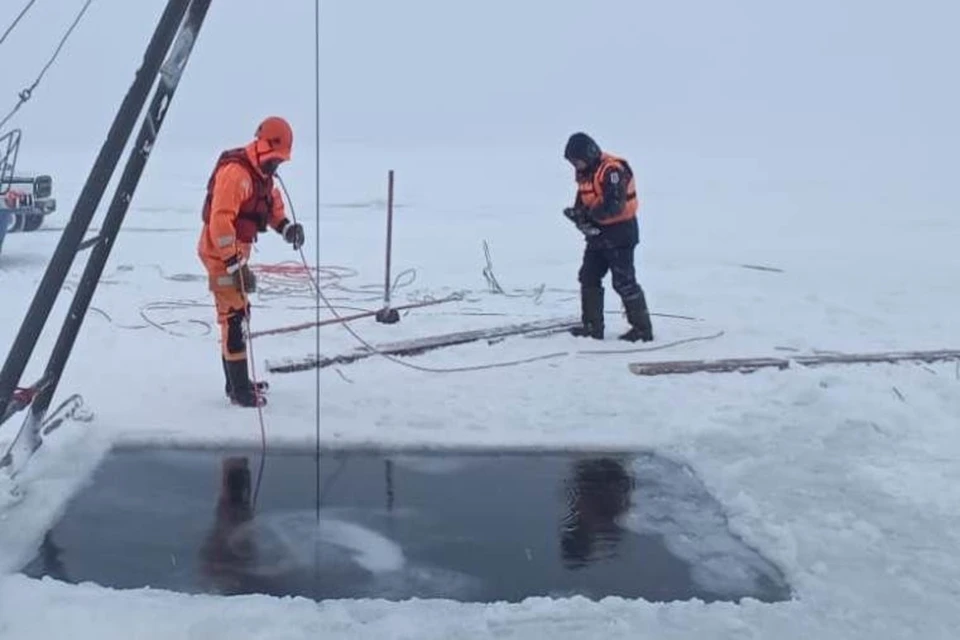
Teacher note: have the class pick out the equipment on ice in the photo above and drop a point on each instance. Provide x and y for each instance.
(24, 199)
(176, 33)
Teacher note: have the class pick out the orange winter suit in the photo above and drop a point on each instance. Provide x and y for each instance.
(241, 202)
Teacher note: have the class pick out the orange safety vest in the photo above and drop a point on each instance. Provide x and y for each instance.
(590, 190)
(254, 213)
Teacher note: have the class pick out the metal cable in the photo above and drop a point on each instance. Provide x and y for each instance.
(25, 94)
(19, 17)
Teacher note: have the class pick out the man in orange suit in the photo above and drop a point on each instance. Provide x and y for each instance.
(241, 202)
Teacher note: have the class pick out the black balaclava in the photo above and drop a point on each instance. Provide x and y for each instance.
(580, 146)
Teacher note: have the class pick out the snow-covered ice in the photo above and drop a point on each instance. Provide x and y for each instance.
(819, 141)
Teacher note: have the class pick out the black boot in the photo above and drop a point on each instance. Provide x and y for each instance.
(591, 305)
(227, 387)
(262, 385)
(241, 390)
(639, 318)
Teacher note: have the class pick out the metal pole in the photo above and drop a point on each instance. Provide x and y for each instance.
(386, 281)
(386, 315)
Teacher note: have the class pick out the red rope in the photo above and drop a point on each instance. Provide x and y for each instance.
(284, 268)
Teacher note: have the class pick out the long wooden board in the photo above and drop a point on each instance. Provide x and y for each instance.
(420, 345)
(749, 365)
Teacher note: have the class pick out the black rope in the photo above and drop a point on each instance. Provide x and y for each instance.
(23, 12)
(316, 250)
(316, 236)
(28, 92)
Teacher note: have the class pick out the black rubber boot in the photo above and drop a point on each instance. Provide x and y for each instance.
(226, 375)
(591, 305)
(262, 385)
(242, 391)
(639, 318)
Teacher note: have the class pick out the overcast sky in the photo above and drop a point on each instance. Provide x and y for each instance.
(870, 81)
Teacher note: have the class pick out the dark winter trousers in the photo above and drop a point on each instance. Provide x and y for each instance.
(619, 262)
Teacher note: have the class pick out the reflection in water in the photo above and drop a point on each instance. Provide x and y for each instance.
(475, 527)
(223, 562)
(291, 552)
(597, 495)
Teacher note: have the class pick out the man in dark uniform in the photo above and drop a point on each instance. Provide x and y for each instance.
(605, 211)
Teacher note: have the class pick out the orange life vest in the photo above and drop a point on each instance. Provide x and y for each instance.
(590, 189)
(254, 213)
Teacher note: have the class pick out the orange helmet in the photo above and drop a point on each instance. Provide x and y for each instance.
(274, 140)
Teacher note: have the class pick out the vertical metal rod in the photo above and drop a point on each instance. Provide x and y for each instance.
(386, 282)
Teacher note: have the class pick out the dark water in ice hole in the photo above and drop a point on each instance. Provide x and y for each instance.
(469, 527)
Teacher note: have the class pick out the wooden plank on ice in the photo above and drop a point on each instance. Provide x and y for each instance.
(419, 345)
(724, 365)
(749, 365)
(936, 355)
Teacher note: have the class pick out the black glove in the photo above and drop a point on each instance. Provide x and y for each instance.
(579, 218)
(293, 233)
